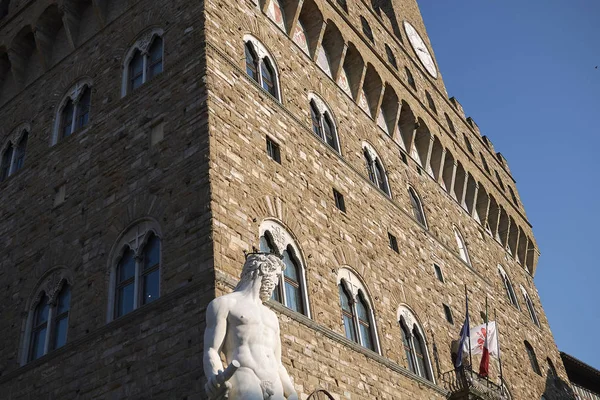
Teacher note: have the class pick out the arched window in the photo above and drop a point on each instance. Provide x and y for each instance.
(532, 358)
(367, 29)
(260, 66)
(468, 143)
(513, 196)
(410, 79)
(408, 349)
(462, 247)
(430, 102)
(143, 61)
(413, 341)
(500, 181)
(155, 58)
(347, 313)
(450, 124)
(342, 3)
(322, 122)
(420, 355)
(268, 78)
(21, 150)
(61, 318)
(48, 317)
(40, 329)
(291, 291)
(138, 276)
(320, 395)
(74, 111)
(377, 174)
(251, 62)
(13, 159)
(485, 164)
(510, 292)
(357, 313)
(66, 119)
(135, 269)
(7, 157)
(364, 324)
(530, 307)
(417, 207)
(390, 56)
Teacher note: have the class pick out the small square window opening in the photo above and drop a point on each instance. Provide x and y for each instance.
(393, 243)
(448, 313)
(273, 150)
(339, 200)
(438, 273)
(403, 157)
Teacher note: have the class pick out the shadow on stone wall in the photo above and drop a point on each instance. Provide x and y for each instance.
(557, 388)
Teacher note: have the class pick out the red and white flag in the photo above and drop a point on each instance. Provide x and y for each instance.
(484, 365)
(478, 336)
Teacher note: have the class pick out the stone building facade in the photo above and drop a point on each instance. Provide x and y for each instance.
(147, 145)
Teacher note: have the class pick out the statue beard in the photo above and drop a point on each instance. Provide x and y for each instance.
(267, 286)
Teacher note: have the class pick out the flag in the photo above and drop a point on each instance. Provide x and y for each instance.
(464, 334)
(478, 336)
(484, 365)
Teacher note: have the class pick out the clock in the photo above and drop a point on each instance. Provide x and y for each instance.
(420, 48)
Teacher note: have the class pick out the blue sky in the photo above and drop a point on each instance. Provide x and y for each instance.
(525, 71)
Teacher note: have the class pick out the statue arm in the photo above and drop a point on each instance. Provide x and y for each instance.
(288, 387)
(214, 337)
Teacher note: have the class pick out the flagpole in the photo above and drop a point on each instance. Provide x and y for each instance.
(487, 332)
(498, 347)
(469, 331)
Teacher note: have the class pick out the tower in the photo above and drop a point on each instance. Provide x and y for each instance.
(147, 145)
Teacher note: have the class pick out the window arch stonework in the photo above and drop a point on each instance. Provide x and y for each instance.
(73, 97)
(417, 206)
(291, 291)
(135, 240)
(352, 285)
(463, 252)
(417, 354)
(510, 291)
(142, 46)
(530, 307)
(48, 288)
(265, 62)
(12, 153)
(328, 131)
(377, 172)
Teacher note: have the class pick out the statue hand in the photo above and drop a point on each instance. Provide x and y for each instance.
(215, 390)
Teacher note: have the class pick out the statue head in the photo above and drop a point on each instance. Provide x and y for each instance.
(264, 266)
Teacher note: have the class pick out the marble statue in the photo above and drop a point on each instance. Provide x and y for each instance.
(247, 332)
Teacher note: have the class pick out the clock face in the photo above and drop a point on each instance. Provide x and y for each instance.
(421, 49)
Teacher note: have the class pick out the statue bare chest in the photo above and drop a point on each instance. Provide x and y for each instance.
(253, 322)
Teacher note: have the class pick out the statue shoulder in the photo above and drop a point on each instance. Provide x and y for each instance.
(223, 303)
